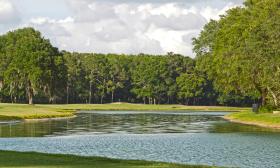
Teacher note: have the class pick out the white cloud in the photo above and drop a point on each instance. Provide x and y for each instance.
(8, 13)
(126, 26)
(214, 13)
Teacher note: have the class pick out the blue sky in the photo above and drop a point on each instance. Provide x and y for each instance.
(115, 26)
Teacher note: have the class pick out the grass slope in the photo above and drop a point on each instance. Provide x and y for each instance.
(35, 160)
(268, 120)
(129, 106)
(22, 111)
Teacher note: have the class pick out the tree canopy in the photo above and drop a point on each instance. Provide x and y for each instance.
(30, 64)
(237, 63)
(240, 52)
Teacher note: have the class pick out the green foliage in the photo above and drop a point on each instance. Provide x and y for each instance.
(267, 109)
(237, 63)
(191, 86)
(29, 64)
(31, 68)
(240, 52)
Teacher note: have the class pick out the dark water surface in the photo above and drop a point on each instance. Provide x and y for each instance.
(181, 137)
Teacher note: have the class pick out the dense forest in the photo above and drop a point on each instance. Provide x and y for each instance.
(237, 63)
(32, 70)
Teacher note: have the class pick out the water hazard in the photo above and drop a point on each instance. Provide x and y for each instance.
(180, 137)
(127, 122)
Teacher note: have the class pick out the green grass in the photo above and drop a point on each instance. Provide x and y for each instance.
(129, 106)
(22, 111)
(39, 160)
(263, 119)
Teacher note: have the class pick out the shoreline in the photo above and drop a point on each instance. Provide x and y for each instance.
(5, 121)
(263, 125)
(48, 160)
(42, 112)
(47, 119)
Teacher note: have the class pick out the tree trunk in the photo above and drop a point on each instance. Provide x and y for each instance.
(263, 97)
(30, 93)
(168, 100)
(12, 99)
(52, 100)
(187, 101)
(67, 90)
(263, 92)
(90, 93)
(30, 97)
(103, 91)
(112, 98)
(30, 100)
(101, 99)
(275, 100)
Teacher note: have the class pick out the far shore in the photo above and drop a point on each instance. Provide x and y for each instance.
(39, 112)
(47, 119)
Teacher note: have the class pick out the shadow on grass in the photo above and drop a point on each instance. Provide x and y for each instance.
(32, 159)
(9, 118)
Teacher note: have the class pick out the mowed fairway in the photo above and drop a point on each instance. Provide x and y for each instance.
(23, 111)
(268, 120)
(35, 160)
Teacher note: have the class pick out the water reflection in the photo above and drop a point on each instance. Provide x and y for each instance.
(109, 122)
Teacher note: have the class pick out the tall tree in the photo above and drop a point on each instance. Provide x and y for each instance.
(76, 84)
(118, 74)
(243, 50)
(30, 56)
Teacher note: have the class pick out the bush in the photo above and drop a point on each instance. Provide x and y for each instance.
(267, 109)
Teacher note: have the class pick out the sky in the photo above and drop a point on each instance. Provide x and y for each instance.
(115, 26)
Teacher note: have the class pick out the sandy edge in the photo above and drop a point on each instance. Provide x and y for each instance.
(47, 119)
(251, 123)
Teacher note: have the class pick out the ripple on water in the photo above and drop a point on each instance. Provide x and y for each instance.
(188, 137)
(233, 149)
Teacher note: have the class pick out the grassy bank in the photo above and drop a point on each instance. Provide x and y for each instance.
(268, 120)
(22, 111)
(146, 107)
(31, 159)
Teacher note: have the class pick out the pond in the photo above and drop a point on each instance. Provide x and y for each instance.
(179, 137)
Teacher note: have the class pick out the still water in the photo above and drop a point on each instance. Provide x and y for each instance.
(180, 137)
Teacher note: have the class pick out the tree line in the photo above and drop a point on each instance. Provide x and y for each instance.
(237, 63)
(32, 70)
